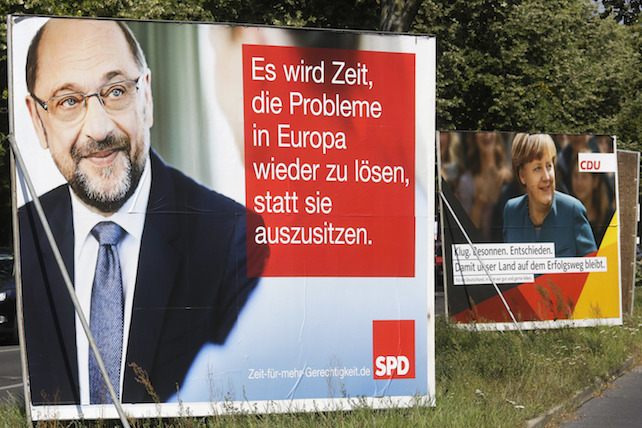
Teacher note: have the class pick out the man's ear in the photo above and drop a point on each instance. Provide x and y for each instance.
(32, 105)
(149, 101)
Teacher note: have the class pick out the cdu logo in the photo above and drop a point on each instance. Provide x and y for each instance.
(393, 344)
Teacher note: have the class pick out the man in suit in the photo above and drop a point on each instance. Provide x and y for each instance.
(181, 259)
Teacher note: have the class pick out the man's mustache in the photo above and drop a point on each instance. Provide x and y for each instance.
(92, 147)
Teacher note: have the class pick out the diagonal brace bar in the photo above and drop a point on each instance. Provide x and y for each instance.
(499, 293)
(68, 283)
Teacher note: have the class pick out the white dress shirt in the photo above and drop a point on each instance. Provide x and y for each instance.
(131, 217)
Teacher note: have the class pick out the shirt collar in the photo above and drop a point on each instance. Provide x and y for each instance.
(131, 216)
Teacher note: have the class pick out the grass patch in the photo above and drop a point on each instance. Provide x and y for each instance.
(483, 379)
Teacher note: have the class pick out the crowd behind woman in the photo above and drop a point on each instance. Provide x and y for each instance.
(476, 167)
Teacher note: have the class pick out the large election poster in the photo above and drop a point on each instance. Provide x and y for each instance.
(530, 229)
(244, 213)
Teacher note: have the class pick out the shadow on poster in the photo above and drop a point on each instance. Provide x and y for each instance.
(541, 213)
(266, 198)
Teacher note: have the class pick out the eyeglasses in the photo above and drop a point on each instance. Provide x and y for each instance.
(72, 107)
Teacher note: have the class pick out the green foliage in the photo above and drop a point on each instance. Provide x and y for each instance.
(12, 412)
(139, 9)
(531, 66)
(354, 14)
(625, 11)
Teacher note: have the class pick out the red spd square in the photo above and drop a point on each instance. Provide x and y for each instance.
(393, 344)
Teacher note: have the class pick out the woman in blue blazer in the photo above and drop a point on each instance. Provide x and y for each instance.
(543, 214)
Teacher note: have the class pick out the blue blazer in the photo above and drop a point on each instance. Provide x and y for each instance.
(190, 286)
(566, 225)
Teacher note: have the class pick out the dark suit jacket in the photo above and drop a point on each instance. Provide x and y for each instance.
(191, 284)
(566, 225)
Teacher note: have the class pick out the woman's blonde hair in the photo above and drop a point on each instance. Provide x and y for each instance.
(529, 147)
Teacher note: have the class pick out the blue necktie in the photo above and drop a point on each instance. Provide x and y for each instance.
(106, 318)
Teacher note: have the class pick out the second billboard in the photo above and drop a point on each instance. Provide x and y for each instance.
(533, 216)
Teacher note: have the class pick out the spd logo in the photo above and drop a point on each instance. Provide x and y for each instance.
(393, 344)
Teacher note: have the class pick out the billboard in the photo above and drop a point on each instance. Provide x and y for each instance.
(530, 229)
(243, 213)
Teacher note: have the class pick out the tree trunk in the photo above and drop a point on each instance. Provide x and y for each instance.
(397, 15)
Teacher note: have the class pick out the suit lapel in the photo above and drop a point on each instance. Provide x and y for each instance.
(58, 321)
(65, 240)
(157, 266)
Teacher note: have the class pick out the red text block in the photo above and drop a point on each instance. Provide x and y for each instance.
(330, 159)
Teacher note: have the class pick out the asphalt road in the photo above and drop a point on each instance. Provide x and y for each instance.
(10, 373)
(617, 406)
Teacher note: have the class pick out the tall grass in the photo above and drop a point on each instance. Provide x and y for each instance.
(483, 379)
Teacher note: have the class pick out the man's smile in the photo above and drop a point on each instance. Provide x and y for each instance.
(102, 158)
